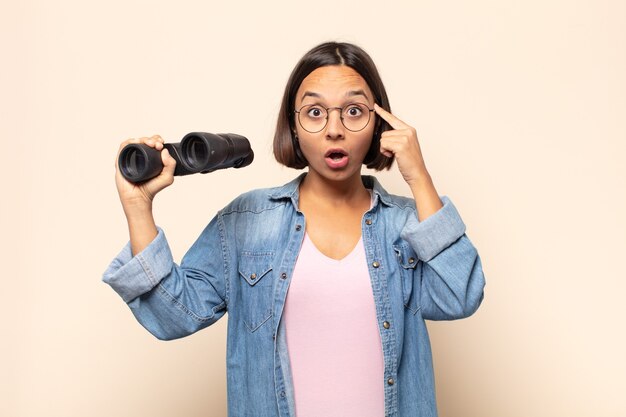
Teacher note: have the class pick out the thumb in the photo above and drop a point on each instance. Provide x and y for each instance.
(169, 163)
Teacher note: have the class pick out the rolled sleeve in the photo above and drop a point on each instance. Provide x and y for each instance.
(132, 276)
(438, 231)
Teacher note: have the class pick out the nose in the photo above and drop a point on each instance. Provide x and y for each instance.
(334, 126)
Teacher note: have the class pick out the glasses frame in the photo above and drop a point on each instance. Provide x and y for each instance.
(328, 109)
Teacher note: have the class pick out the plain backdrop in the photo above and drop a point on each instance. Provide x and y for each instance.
(520, 111)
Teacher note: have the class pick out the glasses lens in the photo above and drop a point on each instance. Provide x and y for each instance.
(355, 116)
(312, 118)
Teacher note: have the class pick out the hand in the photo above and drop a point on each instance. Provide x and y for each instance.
(402, 143)
(141, 195)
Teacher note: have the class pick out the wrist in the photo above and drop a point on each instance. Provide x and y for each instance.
(137, 209)
(427, 201)
(423, 179)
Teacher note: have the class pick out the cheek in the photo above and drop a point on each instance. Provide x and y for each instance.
(365, 148)
(307, 144)
(366, 140)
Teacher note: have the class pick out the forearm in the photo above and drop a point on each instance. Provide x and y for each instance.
(426, 198)
(141, 227)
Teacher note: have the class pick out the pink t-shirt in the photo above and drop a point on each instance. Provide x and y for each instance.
(332, 336)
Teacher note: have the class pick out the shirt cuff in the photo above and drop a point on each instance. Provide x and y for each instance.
(132, 276)
(438, 231)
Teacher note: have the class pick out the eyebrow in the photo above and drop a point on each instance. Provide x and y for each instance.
(356, 93)
(350, 93)
(310, 94)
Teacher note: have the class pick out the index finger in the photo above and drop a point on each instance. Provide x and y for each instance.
(390, 118)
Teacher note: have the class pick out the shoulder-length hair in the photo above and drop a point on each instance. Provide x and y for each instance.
(286, 148)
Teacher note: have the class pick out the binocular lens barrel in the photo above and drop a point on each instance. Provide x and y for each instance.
(197, 152)
(140, 162)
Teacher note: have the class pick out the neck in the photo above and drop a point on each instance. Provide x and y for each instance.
(348, 191)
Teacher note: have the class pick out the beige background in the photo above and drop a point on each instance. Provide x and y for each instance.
(520, 110)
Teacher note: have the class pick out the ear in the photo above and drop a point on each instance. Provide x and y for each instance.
(376, 134)
(374, 149)
(296, 147)
(292, 128)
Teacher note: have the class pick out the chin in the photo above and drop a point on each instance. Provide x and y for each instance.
(338, 174)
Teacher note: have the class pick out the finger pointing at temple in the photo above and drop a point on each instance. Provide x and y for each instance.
(393, 121)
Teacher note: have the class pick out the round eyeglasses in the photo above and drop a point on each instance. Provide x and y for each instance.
(354, 116)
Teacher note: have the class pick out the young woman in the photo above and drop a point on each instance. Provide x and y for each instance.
(328, 279)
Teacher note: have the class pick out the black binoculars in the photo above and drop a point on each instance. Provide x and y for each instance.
(197, 152)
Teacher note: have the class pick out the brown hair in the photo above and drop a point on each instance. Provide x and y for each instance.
(286, 148)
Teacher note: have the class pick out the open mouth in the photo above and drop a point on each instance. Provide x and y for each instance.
(336, 158)
(335, 154)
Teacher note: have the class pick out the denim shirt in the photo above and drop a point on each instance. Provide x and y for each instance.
(243, 261)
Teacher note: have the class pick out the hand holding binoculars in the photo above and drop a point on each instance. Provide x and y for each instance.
(197, 152)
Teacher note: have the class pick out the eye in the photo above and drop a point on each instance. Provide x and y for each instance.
(354, 110)
(315, 112)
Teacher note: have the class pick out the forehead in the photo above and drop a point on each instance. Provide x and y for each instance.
(333, 82)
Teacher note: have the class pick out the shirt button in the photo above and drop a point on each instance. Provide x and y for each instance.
(283, 275)
(368, 221)
(411, 260)
(298, 227)
(386, 324)
(253, 276)
(390, 381)
(375, 264)
(282, 394)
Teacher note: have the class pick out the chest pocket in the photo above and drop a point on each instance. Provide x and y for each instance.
(410, 273)
(256, 273)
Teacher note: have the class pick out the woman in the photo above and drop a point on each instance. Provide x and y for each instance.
(328, 279)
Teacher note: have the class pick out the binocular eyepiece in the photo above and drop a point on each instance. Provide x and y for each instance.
(197, 152)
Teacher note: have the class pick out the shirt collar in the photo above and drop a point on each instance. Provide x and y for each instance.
(291, 190)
